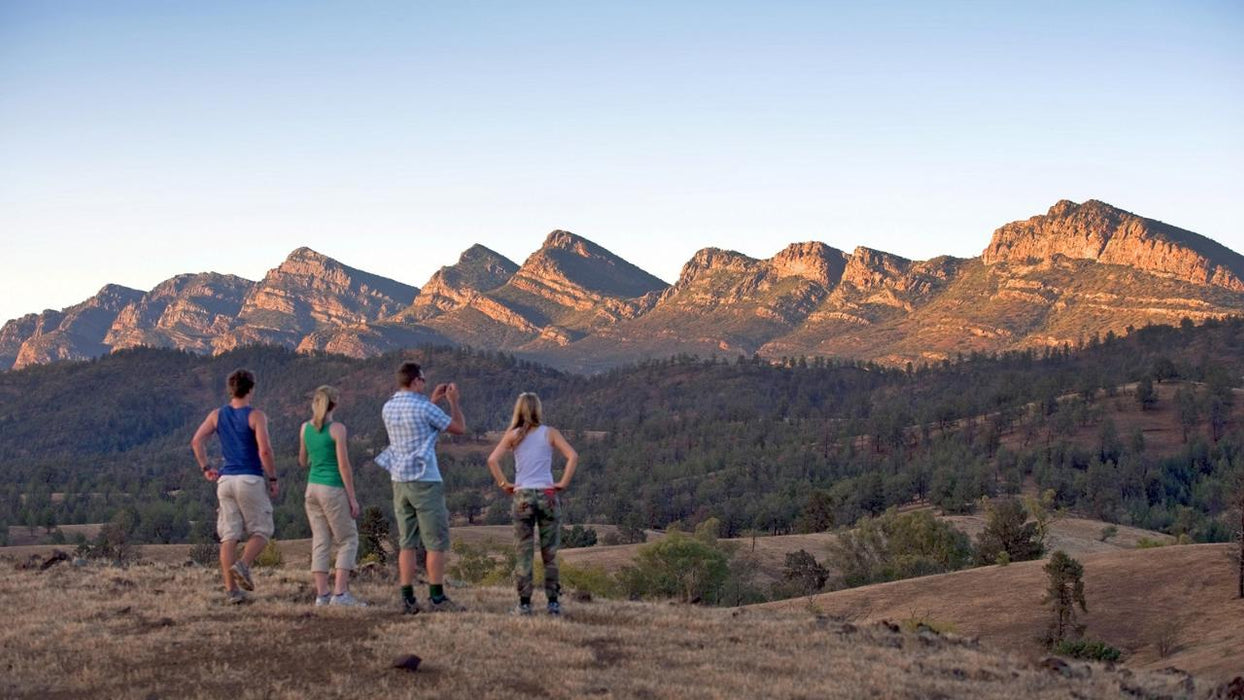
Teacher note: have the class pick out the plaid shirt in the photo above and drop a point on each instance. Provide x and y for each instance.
(414, 423)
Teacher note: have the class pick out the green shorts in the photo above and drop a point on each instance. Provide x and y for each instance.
(421, 514)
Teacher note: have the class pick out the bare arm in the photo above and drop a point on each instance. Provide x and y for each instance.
(494, 462)
(340, 437)
(302, 446)
(457, 423)
(199, 444)
(259, 421)
(572, 458)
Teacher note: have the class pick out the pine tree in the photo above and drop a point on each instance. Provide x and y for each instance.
(1065, 592)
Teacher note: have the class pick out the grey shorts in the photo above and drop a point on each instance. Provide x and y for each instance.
(421, 514)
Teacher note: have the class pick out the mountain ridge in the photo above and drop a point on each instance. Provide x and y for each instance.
(1051, 279)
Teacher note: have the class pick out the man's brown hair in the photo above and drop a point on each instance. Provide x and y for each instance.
(241, 381)
(408, 373)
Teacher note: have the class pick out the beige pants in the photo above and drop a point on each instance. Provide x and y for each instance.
(245, 508)
(328, 509)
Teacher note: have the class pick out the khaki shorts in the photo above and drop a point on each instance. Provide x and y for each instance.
(421, 514)
(245, 508)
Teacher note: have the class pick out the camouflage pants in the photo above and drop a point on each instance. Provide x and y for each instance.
(534, 508)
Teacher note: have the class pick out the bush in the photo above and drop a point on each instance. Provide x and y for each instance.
(591, 579)
(205, 553)
(1087, 650)
(270, 557)
(578, 536)
(897, 546)
(679, 566)
(374, 533)
(1007, 530)
(1146, 543)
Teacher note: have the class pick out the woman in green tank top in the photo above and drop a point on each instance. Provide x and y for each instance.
(330, 503)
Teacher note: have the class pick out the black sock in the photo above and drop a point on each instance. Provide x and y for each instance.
(553, 598)
(408, 592)
(524, 600)
(436, 591)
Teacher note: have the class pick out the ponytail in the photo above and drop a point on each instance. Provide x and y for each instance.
(324, 400)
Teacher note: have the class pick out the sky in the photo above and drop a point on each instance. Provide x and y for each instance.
(140, 140)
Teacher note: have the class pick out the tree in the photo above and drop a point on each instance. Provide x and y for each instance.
(804, 573)
(818, 512)
(1189, 409)
(896, 546)
(1008, 531)
(1064, 592)
(578, 536)
(373, 533)
(1145, 395)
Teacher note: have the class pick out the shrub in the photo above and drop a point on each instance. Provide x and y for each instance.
(374, 532)
(474, 562)
(205, 553)
(803, 573)
(678, 566)
(578, 536)
(1146, 543)
(592, 579)
(270, 557)
(897, 546)
(1087, 650)
(1065, 591)
(1007, 530)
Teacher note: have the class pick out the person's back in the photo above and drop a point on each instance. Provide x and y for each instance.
(533, 460)
(238, 445)
(322, 454)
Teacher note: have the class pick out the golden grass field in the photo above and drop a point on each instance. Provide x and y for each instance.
(161, 629)
(1138, 600)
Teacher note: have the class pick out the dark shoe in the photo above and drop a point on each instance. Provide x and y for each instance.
(410, 606)
(242, 575)
(444, 605)
(555, 608)
(236, 597)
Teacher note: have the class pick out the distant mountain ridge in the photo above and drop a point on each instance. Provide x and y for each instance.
(1078, 270)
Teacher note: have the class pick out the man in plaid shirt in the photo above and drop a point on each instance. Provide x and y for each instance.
(414, 422)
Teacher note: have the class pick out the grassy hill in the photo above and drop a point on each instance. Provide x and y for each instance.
(158, 629)
(1163, 607)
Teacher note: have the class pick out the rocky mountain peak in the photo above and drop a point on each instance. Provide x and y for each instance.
(1106, 234)
(479, 269)
(569, 259)
(813, 261)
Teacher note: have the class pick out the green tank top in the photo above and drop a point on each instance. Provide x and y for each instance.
(322, 453)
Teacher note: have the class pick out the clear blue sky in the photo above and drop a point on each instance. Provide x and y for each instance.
(139, 140)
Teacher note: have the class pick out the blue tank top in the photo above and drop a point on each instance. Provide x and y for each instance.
(237, 442)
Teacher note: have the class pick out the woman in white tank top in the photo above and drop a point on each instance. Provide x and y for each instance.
(536, 503)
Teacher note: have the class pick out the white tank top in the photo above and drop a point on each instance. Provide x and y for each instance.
(533, 461)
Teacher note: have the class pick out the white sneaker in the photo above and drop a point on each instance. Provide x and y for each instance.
(322, 600)
(347, 600)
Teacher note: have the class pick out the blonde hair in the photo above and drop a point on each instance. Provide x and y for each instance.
(324, 400)
(527, 412)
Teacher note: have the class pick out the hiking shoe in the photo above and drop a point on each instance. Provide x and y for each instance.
(555, 608)
(410, 606)
(236, 597)
(347, 600)
(322, 600)
(242, 575)
(523, 610)
(444, 605)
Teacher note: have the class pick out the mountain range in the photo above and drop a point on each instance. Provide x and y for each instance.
(1077, 271)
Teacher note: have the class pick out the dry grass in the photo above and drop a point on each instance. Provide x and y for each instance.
(157, 629)
(1170, 606)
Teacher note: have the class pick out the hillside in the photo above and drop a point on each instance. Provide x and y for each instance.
(1184, 596)
(144, 631)
(1075, 272)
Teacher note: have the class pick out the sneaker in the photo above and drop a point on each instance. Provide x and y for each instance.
(410, 607)
(444, 605)
(555, 608)
(347, 600)
(236, 597)
(523, 609)
(322, 600)
(242, 575)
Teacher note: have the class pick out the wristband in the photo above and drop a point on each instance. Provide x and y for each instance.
(272, 479)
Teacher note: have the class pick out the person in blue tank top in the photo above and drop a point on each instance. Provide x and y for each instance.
(245, 511)
(536, 503)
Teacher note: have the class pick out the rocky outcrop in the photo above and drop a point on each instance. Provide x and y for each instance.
(478, 270)
(75, 333)
(187, 312)
(310, 291)
(1105, 234)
